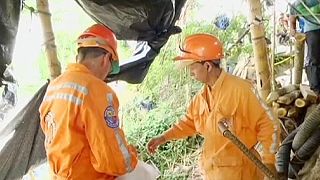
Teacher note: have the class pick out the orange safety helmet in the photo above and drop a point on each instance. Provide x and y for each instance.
(101, 36)
(198, 48)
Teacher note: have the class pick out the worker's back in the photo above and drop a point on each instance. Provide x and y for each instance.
(63, 121)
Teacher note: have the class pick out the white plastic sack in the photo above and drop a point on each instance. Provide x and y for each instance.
(143, 171)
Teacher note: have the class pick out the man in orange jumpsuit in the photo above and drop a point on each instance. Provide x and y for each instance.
(223, 97)
(79, 114)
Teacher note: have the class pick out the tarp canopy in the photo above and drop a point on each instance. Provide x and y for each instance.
(149, 22)
(26, 148)
(9, 20)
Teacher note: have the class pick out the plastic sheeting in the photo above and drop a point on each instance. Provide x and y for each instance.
(9, 20)
(9, 95)
(26, 147)
(151, 23)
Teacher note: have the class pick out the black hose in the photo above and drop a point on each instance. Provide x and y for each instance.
(304, 153)
(310, 124)
(309, 147)
(283, 154)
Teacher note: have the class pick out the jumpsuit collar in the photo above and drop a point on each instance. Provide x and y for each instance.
(209, 93)
(78, 67)
(217, 85)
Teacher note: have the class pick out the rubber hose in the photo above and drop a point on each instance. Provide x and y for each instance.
(294, 169)
(309, 125)
(283, 154)
(304, 153)
(309, 147)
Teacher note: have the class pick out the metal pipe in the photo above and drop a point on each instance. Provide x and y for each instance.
(223, 127)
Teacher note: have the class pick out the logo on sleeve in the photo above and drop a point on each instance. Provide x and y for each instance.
(110, 117)
(51, 127)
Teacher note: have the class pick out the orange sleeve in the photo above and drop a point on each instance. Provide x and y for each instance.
(183, 128)
(264, 124)
(110, 152)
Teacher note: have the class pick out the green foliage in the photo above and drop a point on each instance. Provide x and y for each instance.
(228, 37)
(141, 126)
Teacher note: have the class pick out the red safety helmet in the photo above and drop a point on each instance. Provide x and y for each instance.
(99, 35)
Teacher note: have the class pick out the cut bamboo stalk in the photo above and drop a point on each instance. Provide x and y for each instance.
(288, 98)
(300, 103)
(308, 94)
(281, 112)
(293, 112)
(274, 95)
(259, 48)
(50, 47)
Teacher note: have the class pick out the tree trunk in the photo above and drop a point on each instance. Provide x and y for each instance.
(298, 58)
(50, 47)
(259, 48)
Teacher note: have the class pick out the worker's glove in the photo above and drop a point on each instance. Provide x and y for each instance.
(274, 171)
(154, 143)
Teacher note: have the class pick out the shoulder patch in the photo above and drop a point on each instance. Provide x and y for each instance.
(110, 117)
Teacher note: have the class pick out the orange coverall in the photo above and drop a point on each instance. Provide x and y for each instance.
(79, 117)
(232, 98)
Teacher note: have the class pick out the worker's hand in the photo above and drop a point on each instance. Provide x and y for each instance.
(154, 143)
(274, 171)
(133, 149)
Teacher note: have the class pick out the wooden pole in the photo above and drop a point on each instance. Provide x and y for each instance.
(298, 58)
(274, 48)
(49, 41)
(259, 48)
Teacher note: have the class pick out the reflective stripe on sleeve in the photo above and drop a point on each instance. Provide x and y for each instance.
(70, 85)
(124, 150)
(64, 96)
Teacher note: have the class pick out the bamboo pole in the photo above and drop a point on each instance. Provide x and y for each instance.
(274, 48)
(289, 98)
(281, 112)
(49, 41)
(298, 58)
(300, 103)
(259, 48)
(274, 95)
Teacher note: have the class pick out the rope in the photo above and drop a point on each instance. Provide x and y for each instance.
(280, 62)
